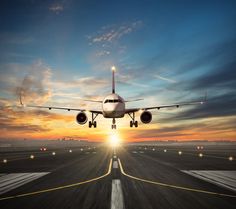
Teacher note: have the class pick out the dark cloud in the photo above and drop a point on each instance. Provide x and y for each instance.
(220, 54)
(223, 77)
(216, 106)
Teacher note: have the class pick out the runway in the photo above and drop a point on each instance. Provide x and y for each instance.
(125, 177)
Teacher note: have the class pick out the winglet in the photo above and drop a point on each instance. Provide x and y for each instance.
(205, 99)
(21, 102)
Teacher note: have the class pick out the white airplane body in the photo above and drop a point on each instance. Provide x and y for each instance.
(113, 106)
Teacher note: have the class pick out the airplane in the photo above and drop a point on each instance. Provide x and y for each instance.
(113, 106)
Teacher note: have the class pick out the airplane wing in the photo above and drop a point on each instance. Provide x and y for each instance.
(177, 105)
(63, 108)
(59, 108)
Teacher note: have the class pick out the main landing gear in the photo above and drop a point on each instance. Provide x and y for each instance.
(93, 123)
(113, 126)
(133, 122)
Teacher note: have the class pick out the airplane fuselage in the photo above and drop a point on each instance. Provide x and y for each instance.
(113, 106)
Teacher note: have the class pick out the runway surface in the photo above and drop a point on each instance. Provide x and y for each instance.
(127, 177)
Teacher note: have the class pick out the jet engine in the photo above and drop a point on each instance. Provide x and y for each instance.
(146, 117)
(81, 118)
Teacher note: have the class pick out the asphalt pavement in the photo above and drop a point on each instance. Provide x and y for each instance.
(125, 177)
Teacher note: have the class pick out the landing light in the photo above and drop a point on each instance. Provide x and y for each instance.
(113, 68)
(200, 155)
(231, 158)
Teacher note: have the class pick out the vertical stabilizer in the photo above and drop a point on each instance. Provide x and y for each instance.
(113, 69)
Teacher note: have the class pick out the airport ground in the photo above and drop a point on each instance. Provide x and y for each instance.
(132, 176)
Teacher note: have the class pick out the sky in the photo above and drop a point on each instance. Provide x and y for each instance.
(60, 52)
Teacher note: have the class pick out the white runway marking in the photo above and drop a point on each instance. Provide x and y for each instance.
(226, 179)
(115, 164)
(11, 181)
(117, 201)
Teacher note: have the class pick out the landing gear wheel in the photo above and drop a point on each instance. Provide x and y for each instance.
(113, 126)
(93, 123)
(131, 124)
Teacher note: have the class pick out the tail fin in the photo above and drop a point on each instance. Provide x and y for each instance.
(113, 69)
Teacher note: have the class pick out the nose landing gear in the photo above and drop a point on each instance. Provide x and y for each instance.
(113, 126)
(133, 122)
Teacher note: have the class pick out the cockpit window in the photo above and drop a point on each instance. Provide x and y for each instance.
(113, 101)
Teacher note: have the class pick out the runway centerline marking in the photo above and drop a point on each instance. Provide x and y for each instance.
(60, 187)
(117, 200)
(115, 164)
(173, 186)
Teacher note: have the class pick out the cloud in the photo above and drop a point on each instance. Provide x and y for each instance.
(107, 38)
(35, 86)
(127, 79)
(221, 77)
(114, 32)
(57, 8)
(216, 106)
(31, 81)
(27, 120)
(204, 129)
(218, 53)
(102, 53)
(165, 79)
(86, 85)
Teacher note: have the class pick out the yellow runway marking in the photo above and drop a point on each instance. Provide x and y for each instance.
(60, 187)
(173, 186)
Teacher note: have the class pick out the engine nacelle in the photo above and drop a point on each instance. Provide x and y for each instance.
(146, 117)
(81, 118)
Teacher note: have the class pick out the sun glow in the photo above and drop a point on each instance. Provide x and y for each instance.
(114, 139)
